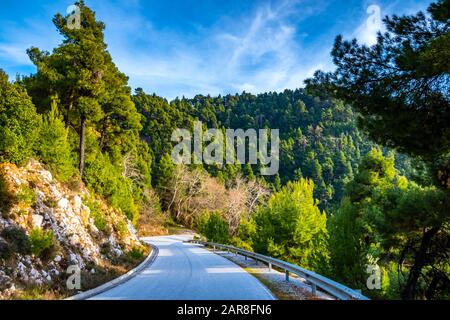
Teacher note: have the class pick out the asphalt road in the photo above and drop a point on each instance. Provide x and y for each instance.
(185, 271)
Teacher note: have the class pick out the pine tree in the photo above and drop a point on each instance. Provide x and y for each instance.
(164, 178)
(400, 85)
(19, 122)
(292, 227)
(53, 147)
(75, 72)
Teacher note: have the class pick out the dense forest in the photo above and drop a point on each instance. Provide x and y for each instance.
(364, 153)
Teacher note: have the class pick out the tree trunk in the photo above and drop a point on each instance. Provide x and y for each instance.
(69, 108)
(409, 293)
(82, 143)
(431, 290)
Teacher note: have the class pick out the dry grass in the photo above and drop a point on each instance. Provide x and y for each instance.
(57, 290)
(273, 287)
(36, 293)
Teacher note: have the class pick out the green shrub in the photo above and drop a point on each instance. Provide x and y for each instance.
(214, 228)
(54, 148)
(239, 243)
(292, 227)
(135, 254)
(17, 238)
(100, 221)
(392, 281)
(5, 250)
(19, 122)
(106, 179)
(247, 230)
(123, 199)
(105, 248)
(121, 227)
(42, 242)
(26, 195)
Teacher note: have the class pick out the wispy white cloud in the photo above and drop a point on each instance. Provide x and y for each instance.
(256, 54)
(261, 50)
(15, 54)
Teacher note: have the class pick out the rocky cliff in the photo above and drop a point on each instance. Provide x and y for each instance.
(47, 226)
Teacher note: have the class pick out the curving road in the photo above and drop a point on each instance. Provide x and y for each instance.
(185, 271)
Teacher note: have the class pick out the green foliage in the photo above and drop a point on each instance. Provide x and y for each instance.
(291, 227)
(321, 143)
(164, 178)
(392, 281)
(121, 227)
(160, 118)
(392, 112)
(135, 255)
(100, 221)
(53, 147)
(247, 230)
(106, 180)
(93, 97)
(26, 196)
(350, 234)
(5, 250)
(213, 227)
(239, 243)
(17, 239)
(246, 235)
(42, 243)
(347, 247)
(400, 85)
(378, 216)
(387, 220)
(19, 122)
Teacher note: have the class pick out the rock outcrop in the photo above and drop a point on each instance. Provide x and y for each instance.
(33, 200)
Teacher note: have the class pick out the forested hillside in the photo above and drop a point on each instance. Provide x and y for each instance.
(319, 139)
(364, 160)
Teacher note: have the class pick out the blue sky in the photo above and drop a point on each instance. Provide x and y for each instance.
(176, 48)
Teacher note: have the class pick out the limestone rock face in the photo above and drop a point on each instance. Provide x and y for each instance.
(5, 281)
(37, 220)
(66, 213)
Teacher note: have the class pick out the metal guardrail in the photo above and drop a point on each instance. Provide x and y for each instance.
(315, 280)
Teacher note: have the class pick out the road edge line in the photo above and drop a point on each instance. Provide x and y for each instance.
(264, 287)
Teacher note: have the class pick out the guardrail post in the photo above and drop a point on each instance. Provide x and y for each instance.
(329, 286)
(313, 289)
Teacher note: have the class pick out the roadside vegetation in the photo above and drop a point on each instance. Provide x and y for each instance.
(364, 166)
